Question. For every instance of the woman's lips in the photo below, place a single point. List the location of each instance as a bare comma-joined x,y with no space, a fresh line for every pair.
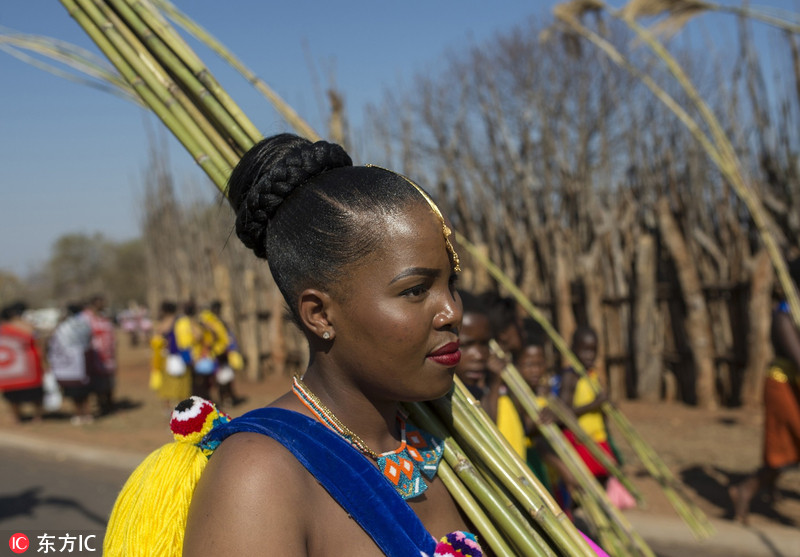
448,355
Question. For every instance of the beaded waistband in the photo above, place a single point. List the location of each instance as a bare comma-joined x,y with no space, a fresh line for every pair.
782,371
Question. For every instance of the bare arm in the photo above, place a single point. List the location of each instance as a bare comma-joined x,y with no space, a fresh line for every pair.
568,381
592,406
239,507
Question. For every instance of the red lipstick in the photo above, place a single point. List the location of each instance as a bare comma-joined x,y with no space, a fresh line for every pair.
448,355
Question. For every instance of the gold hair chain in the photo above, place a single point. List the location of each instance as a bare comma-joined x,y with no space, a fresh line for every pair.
445,229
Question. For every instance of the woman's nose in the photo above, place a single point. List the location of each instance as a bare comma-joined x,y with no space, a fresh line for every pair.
451,312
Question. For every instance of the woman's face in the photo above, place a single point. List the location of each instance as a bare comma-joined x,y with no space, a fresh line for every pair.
396,313
510,339
531,364
475,336
586,350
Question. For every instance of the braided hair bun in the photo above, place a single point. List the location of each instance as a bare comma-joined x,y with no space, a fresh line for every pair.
268,174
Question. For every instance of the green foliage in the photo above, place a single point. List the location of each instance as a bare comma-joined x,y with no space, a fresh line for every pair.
124,276
11,288
76,266
80,266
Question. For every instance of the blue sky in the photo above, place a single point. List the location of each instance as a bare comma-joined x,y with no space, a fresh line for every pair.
72,158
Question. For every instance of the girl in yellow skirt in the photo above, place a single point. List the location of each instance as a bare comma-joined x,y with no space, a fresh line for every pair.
170,376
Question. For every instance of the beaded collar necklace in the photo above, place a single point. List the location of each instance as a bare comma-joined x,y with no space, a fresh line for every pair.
419,452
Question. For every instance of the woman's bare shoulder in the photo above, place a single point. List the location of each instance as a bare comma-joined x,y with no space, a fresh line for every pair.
252,461
241,500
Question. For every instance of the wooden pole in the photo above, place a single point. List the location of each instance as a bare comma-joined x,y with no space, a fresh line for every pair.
698,326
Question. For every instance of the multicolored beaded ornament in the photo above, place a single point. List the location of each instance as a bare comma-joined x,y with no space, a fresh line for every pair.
417,456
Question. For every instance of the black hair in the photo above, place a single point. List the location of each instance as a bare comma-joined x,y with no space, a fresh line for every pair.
168,307
15,309
473,303
582,332
502,311
534,334
189,308
74,308
305,208
215,306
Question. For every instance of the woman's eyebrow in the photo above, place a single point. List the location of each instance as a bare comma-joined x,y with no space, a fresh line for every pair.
417,271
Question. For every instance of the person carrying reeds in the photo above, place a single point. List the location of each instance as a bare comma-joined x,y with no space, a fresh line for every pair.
585,396
532,365
480,370
781,444
363,259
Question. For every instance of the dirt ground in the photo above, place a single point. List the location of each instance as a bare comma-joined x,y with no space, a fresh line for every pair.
705,449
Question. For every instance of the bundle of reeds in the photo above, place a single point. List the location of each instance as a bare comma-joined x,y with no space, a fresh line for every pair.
690,512
609,524
507,504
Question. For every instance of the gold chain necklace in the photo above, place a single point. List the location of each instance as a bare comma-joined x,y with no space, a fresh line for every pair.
329,418
403,467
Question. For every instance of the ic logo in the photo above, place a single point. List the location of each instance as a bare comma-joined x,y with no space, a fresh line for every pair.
19,543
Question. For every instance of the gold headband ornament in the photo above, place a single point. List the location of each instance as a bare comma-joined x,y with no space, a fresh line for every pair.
445,230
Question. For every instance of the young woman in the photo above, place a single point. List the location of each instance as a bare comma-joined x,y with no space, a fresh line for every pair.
21,368
781,443
364,262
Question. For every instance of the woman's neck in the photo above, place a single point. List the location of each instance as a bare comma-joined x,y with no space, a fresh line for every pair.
375,422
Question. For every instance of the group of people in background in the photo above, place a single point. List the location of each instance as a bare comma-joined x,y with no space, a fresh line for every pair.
194,353
80,354
523,342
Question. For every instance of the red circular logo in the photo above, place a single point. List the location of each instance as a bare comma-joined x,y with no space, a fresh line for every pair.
7,356
19,543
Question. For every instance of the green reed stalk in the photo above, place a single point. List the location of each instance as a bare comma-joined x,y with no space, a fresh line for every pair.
150,14
504,514
147,69
479,434
284,109
81,60
721,151
190,93
648,457
694,517
186,136
544,545
523,392
566,417
603,531
590,485
732,168
473,510
131,55
637,8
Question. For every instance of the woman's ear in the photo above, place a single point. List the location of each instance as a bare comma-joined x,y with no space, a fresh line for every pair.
314,308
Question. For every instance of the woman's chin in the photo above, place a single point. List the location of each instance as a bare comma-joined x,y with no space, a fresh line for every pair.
434,391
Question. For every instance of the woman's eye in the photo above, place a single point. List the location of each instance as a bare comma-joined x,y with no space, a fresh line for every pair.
417,290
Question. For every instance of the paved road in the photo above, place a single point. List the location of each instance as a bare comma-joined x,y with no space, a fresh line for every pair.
57,496
54,488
